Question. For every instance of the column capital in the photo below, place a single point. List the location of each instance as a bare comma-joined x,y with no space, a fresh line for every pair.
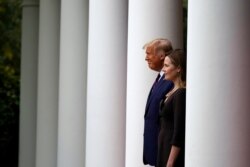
30,3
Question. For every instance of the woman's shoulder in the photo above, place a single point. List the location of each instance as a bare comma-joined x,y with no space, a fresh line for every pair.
180,96
180,92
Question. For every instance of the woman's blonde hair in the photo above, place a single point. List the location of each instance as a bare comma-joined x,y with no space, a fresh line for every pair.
178,59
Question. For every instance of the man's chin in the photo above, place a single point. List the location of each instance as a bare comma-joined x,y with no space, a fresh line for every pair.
151,67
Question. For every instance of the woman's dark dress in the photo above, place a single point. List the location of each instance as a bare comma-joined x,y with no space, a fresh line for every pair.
172,131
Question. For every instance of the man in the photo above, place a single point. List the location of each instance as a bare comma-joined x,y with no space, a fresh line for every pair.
156,51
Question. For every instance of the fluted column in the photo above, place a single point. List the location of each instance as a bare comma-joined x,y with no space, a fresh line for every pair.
72,83
106,97
218,91
48,78
28,88
148,19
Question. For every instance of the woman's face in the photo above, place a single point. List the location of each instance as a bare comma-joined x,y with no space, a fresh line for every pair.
171,71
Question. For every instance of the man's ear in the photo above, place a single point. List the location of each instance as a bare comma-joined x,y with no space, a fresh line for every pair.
162,56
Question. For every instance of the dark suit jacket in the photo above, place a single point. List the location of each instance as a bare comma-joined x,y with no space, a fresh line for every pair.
151,118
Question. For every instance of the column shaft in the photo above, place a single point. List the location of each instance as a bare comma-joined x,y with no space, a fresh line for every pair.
217,127
72,83
28,88
48,78
106,97
148,20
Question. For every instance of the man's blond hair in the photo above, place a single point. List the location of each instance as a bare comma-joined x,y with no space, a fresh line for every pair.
160,45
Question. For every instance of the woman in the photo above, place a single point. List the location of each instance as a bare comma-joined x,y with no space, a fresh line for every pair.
171,138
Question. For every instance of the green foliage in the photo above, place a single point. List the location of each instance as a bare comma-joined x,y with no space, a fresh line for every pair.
10,21
10,14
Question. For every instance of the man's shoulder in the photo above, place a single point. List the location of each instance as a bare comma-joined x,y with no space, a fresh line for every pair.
167,83
165,87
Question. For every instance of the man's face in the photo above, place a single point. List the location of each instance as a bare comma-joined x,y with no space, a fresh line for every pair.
155,62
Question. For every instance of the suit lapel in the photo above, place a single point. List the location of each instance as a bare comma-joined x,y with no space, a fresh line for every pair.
154,92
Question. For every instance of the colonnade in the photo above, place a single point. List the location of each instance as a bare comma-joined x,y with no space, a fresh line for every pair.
84,81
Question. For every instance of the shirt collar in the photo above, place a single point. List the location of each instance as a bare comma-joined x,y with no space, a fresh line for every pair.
161,74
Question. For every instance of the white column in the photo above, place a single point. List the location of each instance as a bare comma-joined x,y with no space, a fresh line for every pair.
218,91
48,76
28,88
72,83
148,20
106,97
